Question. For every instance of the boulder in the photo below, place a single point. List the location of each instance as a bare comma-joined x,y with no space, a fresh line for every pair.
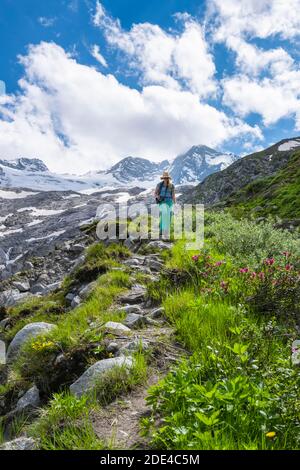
88,380
69,297
52,287
38,288
22,286
116,328
30,400
76,301
21,443
10,297
29,331
134,320
85,291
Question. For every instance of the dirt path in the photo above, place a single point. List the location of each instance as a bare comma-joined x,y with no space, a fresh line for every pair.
118,424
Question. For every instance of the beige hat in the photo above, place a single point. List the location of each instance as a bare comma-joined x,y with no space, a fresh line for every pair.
165,175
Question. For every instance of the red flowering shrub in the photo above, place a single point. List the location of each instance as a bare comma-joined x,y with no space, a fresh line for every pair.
276,288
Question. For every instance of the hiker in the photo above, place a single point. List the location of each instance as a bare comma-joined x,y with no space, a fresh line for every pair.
165,197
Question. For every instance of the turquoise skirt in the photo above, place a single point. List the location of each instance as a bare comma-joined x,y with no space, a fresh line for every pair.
165,216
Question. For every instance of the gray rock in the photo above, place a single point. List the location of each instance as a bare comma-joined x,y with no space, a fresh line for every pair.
116,328
59,359
77,248
29,331
137,294
38,288
132,346
131,309
134,320
133,262
4,322
85,291
52,287
78,262
10,297
21,443
296,353
153,264
31,399
3,257
28,266
157,313
112,347
130,243
43,278
69,297
87,382
22,286
160,245
76,301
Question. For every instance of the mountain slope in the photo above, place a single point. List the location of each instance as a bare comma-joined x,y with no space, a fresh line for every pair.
277,195
220,186
198,163
191,167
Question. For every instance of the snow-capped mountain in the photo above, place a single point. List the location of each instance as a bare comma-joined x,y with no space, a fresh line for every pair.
137,169
191,167
27,164
199,162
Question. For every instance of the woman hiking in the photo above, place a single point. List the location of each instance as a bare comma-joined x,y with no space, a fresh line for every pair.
166,198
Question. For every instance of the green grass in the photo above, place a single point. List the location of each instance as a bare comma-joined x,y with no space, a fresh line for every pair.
238,385
277,195
73,337
65,425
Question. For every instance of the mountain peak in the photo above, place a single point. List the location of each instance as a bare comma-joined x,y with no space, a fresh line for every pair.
23,163
198,163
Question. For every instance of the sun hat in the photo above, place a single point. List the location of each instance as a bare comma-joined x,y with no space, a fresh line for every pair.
165,175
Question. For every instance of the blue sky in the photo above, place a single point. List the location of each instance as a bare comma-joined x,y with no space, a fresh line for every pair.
90,82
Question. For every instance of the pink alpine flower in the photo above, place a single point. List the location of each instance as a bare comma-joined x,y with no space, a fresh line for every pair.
195,257
269,261
253,275
224,285
261,276
288,267
219,263
286,254
244,270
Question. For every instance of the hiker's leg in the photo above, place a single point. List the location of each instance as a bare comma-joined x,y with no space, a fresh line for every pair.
166,221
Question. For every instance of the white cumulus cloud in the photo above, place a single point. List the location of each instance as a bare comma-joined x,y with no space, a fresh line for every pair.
76,118
171,59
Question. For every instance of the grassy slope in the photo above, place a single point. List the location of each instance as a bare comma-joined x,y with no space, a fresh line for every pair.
64,422
278,195
239,385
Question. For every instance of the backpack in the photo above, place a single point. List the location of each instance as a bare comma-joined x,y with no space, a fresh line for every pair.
161,199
